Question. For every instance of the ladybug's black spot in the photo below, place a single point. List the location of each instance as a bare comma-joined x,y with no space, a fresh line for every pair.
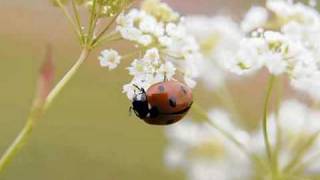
172,102
183,89
161,88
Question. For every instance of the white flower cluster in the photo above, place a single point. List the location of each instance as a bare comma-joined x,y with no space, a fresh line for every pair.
218,38
292,47
282,36
205,154
166,48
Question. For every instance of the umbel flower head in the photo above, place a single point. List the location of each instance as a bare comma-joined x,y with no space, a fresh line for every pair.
218,39
105,8
284,41
166,50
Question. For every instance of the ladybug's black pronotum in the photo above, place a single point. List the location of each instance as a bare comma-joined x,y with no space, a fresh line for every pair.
163,103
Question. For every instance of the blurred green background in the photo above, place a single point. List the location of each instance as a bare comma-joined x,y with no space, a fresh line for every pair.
88,133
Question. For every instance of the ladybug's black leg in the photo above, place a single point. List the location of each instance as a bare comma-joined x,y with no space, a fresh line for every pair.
165,77
136,113
130,110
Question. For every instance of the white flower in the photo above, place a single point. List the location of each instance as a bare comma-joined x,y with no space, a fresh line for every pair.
255,18
307,81
293,12
152,55
219,38
164,43
109,58
150,25
129,89
168,70
248,58
160,10
137,26
275,63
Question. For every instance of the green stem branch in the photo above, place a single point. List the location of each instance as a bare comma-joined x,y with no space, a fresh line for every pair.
69,17
37,112
196,108
272,162
78,21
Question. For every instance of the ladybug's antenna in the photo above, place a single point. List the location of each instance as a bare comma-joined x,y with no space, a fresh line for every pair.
165,77
140,89
137,87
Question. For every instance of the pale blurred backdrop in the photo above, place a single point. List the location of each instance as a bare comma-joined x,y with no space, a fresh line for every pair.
88,133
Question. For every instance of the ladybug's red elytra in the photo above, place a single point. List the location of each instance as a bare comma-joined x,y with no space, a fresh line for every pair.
163,103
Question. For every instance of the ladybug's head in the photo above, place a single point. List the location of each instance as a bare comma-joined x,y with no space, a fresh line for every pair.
140,104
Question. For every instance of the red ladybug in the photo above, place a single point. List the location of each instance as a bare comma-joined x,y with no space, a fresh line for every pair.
163,103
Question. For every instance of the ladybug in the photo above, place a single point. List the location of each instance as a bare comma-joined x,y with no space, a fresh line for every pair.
163,103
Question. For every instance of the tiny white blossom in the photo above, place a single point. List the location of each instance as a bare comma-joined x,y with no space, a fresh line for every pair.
275,63
248,58
168,70
219,39
256,17
109,58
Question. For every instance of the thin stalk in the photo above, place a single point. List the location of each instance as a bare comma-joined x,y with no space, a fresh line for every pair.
108,38
78,21
20,139
105,29
279,97
92,21
197,109
265,126
301,152
69,17
97,39
37,112
313,159
66,78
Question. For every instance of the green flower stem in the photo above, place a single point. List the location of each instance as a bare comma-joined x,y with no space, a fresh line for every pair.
37,112
308,162
301,152
105,29
78,21
272,162
70,19
66,78
20,139
279,97
92,21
